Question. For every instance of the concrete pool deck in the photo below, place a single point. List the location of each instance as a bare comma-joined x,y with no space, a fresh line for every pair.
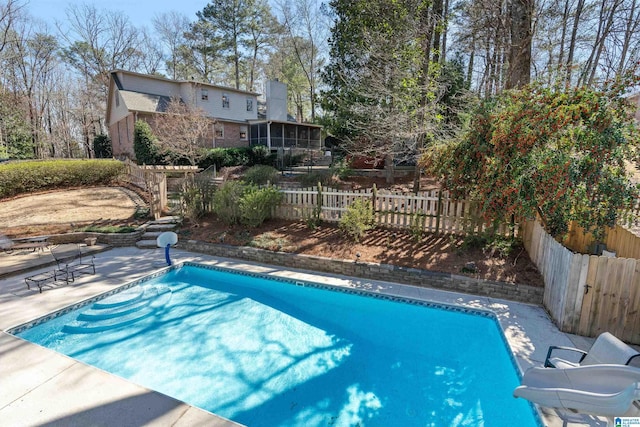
41,387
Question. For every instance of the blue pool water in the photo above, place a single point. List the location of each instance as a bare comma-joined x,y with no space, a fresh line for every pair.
268,353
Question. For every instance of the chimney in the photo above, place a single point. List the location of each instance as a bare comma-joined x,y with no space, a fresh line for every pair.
276,101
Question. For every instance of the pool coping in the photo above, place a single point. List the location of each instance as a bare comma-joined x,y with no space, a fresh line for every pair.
525,344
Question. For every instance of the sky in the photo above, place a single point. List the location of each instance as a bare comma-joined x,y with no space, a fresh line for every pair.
140,12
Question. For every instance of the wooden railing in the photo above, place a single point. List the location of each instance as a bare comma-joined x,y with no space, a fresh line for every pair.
154,183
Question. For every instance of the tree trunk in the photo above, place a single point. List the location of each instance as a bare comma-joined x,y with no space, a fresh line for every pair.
445,18
572,42
630,30
519,71
437,29
606,25
426,24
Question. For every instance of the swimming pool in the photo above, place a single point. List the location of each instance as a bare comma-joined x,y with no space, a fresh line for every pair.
263,352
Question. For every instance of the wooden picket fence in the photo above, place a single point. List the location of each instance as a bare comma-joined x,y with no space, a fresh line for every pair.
433,211
586,294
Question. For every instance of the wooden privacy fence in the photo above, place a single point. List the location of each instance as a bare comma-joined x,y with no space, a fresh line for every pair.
434,211
623,242
154,183
586,294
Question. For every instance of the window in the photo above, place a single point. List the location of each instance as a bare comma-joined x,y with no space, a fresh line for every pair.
219,130
249,104
225,101
204,94
117,99
243,133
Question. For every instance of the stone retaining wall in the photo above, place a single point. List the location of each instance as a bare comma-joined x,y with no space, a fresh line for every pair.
373,271
113,239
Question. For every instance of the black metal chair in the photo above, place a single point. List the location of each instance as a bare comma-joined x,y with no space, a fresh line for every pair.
71,262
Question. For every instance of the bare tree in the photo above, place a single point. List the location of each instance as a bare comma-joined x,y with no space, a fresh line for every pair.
151,55
9,11
29,58
100,41
390,116
171,28
262,28
182,131
96,43
307,28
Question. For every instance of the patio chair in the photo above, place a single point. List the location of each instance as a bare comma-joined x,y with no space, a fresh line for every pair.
607,349
603,390
34,243
71,262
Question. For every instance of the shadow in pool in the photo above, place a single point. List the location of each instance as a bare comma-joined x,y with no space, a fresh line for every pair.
352,394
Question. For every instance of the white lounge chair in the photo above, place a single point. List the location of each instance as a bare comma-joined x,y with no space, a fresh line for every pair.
602,390
607,349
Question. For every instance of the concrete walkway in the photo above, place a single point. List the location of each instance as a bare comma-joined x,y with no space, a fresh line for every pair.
41,387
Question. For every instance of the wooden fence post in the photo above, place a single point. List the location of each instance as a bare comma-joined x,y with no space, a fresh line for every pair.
374,199
318,213
438,207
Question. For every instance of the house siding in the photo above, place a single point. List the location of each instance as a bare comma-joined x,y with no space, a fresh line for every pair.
135,96
144,84
237,104
122,137
231,136
119,110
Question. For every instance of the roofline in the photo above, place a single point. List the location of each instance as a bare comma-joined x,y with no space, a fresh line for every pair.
149,76
259,121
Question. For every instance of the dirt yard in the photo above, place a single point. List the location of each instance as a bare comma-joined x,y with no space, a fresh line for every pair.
65,211
58,212
438,253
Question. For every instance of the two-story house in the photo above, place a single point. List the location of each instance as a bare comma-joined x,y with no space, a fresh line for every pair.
235,121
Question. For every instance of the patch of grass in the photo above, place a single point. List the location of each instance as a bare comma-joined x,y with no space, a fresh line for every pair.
109,229
271,242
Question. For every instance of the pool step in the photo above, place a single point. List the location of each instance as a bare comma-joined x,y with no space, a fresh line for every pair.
121,310
101,314
121,298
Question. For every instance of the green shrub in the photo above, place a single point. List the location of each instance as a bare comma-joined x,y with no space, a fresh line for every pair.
102,147
261,175
341,169
226,157
191,203
144,146
257,204
494,244
197,197
261,155
237,156
30,176
109,229
358,218
312,179
226,202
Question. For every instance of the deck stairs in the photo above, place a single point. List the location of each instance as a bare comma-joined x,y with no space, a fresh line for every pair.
122,309
154,229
